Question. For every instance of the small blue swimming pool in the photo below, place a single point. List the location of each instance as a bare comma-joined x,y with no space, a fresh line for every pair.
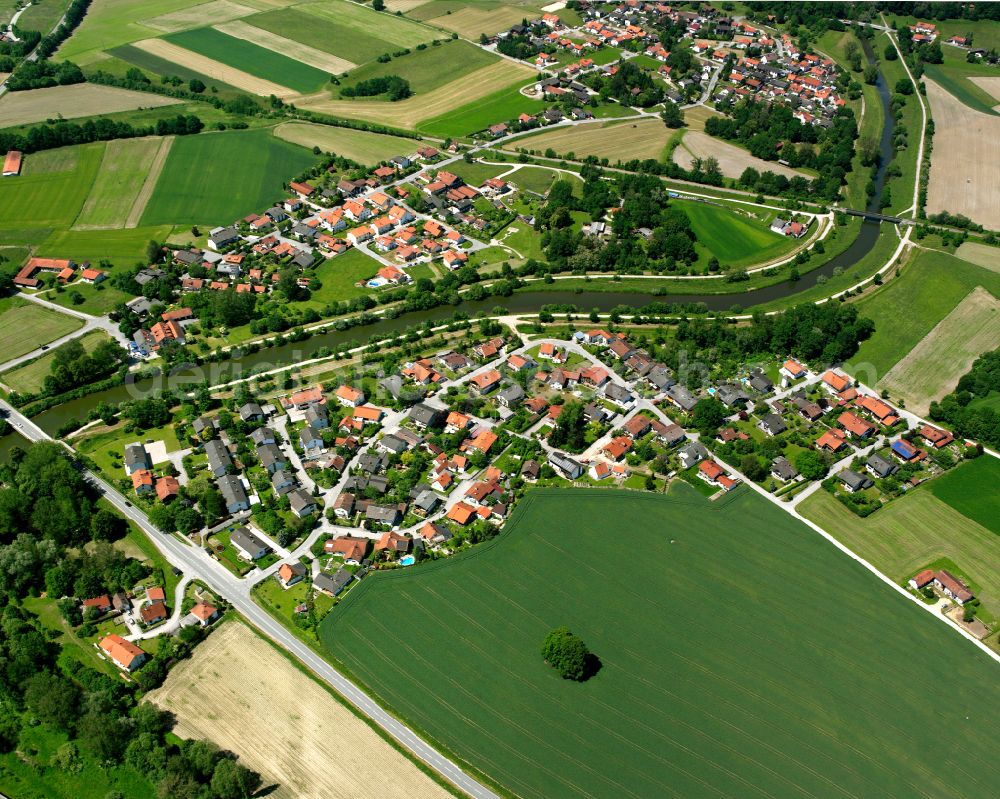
407,560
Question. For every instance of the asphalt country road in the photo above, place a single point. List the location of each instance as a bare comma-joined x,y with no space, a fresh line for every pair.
196,563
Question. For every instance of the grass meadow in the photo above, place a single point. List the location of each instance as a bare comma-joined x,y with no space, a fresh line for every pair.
358,145
428,69
908,307
111,23
972,491
500,106
31,376
52,189
25,326
734,239
339,277
741,655
919,529
251,58
356,19
123,173
214,178
356,45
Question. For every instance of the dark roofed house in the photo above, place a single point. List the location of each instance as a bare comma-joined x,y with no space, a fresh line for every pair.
731,396
136,458
251,412
853,481
263,435
302,504
511,396
271,458
233,493
782,469
566,466
384,514
423,416
772,424
877,466
334,584
219,459
760,382
282,482
248,545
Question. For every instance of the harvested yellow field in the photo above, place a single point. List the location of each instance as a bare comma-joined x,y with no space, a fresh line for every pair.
469,22
933,368
617,141
239,692
208,66
152,176
408,113
358,145
990,85
287,47
980,254
732,159
181,20
77,100
965,165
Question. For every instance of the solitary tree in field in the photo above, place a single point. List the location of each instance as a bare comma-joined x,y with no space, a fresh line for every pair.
566,653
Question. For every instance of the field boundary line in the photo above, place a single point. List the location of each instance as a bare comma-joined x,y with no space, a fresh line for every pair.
149,184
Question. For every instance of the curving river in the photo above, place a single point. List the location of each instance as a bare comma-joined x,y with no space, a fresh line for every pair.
521,302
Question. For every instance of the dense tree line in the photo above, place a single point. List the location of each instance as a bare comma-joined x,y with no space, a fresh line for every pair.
942,11
42,74
73,17
960,409
61,134
395,87
27,41
73,366
47,514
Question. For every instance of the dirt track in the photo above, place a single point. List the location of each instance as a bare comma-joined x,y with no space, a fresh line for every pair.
239,692
965,164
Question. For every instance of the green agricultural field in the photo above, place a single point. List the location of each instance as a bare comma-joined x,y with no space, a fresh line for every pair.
328,35
476,173
428,69
31,377
734,239
356,19
214,178
465,120
906,308
358,145
912,532
122,247
971,489
251,58
123,172
25,326
52,190
709,684
954,74
134,57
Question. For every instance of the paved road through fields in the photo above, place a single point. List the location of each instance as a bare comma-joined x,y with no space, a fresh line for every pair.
196,563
